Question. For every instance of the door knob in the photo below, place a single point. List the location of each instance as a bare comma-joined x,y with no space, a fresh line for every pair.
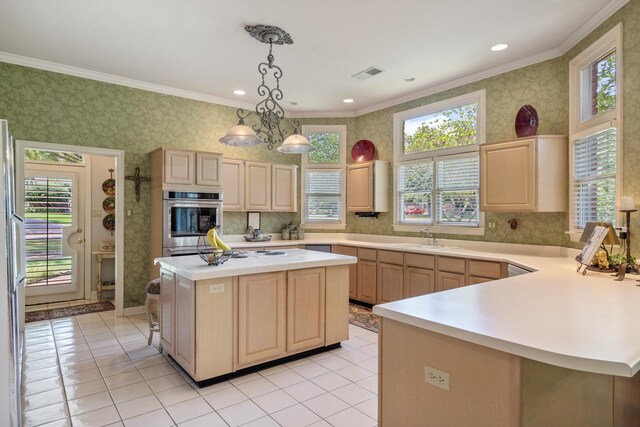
80,241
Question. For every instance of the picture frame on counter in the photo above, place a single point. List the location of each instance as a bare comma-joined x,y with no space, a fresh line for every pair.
591,247
253,220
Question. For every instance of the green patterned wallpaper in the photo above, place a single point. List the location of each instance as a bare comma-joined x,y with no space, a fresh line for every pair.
56,108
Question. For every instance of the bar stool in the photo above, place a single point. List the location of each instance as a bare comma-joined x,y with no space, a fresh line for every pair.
153,294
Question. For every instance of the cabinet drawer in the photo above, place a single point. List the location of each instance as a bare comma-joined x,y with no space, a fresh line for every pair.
420,260
344,250
452,265
488,269
474,280
391,257
367,254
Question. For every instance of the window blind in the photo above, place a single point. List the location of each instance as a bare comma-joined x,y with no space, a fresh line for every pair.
457,186
593,195
415,187
323,202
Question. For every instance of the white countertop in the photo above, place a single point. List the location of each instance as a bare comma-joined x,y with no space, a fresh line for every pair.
553,315
194,268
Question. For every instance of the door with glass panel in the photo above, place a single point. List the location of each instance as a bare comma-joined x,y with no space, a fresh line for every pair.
54,232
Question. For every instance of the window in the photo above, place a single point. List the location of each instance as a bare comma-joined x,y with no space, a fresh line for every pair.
436,165
323,178
595,85
52,156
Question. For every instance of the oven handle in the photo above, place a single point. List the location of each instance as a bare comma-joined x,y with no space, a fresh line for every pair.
171,204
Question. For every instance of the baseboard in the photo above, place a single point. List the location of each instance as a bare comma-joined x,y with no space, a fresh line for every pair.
132,311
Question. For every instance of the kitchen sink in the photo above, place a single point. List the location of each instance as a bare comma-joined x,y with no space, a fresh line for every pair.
425,247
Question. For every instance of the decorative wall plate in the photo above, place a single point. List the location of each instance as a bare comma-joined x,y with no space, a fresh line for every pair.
109,185
109,222
526,121
363,151
109,204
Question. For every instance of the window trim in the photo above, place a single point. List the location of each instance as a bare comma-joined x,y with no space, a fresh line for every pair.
338,167
399,158
612,40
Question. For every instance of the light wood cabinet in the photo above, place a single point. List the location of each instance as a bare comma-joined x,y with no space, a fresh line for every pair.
284,191
167,294
368,186
305,309
366,282
233,184
446,280
257,192
418,281
390,282
353,268
261,317
525,175
185,170
185,315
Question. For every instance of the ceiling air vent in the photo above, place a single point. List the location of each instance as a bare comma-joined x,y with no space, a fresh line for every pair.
368,73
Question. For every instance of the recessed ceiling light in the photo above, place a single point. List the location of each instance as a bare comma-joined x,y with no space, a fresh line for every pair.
239,92
292,103
409,79
347,101
499,46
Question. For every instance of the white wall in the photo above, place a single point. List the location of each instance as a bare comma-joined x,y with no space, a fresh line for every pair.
100,166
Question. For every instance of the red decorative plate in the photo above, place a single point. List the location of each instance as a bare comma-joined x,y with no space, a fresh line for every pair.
526,121
363,151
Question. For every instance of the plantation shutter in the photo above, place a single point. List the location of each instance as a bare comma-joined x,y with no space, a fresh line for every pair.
457,195
594,184
323,202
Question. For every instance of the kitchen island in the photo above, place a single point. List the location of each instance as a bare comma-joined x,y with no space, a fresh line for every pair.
222,321
548,348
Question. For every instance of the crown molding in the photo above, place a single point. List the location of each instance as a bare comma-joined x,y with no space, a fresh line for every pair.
117,80
592,23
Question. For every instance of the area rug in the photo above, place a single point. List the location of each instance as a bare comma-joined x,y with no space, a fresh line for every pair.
363,317
55,313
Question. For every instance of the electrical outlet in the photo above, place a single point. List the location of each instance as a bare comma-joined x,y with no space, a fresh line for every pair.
216,289
436,377
492,225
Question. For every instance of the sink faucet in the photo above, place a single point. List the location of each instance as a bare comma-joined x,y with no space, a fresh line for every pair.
428,235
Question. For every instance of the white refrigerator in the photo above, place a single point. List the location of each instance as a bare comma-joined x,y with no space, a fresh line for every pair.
12,276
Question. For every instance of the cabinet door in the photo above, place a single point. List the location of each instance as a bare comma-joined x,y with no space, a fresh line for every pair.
261,317
474,280
508,176
179,167
233,184
366,283
305,309
284,192
446,280
390,282
257,193
360,187
353,268
185,324
167,295
208,169
418,281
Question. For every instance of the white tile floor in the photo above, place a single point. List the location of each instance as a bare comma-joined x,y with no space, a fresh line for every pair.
97,370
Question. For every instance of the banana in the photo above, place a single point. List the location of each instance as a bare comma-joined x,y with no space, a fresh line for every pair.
222,245
211,238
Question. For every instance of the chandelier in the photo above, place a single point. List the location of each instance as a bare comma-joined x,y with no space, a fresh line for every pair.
270,114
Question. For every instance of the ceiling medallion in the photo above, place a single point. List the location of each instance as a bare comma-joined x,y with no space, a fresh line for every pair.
270,114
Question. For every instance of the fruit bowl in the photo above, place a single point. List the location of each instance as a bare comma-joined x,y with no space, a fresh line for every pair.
210,255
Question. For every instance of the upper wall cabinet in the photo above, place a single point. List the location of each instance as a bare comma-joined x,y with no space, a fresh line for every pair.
525,175
186,170
256,186
368,186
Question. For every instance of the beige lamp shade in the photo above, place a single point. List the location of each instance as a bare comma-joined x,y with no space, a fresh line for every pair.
296,144
240,136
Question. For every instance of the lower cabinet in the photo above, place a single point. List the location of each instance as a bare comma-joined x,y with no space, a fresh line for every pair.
185,297
446,280
390,282
353,268
366,282
305,309
418,281
261,317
